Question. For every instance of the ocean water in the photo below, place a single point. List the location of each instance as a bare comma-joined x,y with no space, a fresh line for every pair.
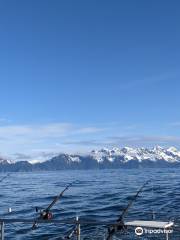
97,195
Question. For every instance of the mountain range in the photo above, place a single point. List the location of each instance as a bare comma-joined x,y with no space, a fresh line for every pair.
100,159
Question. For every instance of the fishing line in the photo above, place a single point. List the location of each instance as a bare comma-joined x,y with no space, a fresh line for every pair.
120,225
152,207
46,214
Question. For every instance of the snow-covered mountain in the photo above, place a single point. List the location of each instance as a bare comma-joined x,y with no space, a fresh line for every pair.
4,161
157,153
101,159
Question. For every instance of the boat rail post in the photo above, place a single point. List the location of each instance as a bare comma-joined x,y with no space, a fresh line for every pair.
1,230
167,236
78,229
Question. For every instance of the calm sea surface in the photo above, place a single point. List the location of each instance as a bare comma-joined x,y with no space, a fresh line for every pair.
97,195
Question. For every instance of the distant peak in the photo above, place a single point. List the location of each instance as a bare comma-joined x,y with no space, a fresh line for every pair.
5,161
172,149
158,148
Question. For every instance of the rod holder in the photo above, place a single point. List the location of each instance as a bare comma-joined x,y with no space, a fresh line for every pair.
2,231
78,229
167,236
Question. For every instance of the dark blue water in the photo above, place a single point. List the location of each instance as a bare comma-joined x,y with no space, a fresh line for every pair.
97,195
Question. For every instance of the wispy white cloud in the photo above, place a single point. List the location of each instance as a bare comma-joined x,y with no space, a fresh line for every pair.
151,80
21,156
121,141
34,156
35,131
175,124
145,140
17,137
52,130
39,141
90,130
4,120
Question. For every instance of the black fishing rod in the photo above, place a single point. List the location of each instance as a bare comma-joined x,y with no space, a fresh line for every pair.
46,214
120,226
2,179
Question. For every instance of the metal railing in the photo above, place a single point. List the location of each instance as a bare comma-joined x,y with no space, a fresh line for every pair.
76,222
4,221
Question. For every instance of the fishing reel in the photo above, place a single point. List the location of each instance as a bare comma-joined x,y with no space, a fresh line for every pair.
119,227
44,214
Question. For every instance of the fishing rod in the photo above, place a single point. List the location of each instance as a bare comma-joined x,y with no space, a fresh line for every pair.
75,231
46,214
120,226
2,179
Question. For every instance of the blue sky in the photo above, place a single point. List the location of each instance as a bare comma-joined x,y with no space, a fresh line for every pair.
76,75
